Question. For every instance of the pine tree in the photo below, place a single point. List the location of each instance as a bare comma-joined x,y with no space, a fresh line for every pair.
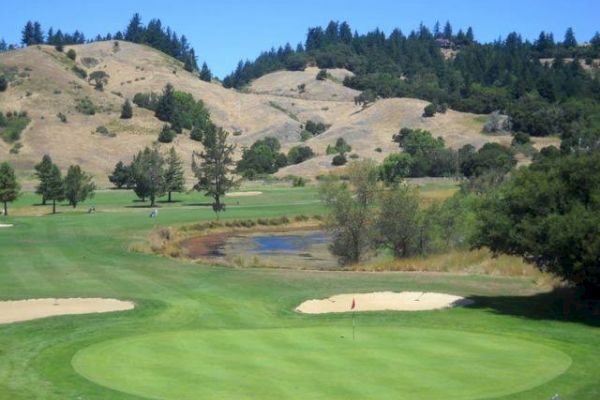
188,65
166,134
448,31
38,34
166,104
9,187
78,185
28,34
570,40
205,73
121,176
135,31
215,167
42,172
55,189
174,178
126,110
148,174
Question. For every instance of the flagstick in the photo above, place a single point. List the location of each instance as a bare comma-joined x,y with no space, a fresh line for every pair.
353,326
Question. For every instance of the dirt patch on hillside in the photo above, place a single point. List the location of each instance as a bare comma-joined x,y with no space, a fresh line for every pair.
382,301
26,310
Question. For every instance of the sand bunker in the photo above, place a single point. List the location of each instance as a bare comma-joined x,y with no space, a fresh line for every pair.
25,310
6,225
242,194
380,301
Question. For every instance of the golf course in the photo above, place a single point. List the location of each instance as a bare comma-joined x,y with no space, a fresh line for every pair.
202,331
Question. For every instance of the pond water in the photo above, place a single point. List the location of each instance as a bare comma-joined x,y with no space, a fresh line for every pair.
295,249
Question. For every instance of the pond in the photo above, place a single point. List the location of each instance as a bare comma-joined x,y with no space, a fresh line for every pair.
300,249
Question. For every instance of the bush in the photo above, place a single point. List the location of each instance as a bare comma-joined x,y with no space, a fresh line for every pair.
197,134
497,123
429,110
59,47
521,138
126,110
263,157
339,159
62,117
305,135
80,72
103,130
301,88
340,147
12,125
298,181
315,128
146,100
166,135
71,54
85,106
322,75
298,154
3,83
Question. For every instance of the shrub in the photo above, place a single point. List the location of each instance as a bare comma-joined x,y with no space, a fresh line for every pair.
146,100
15,148
305,135
126,110
301,88
340,147
85,106
71,54
298,181
103,130
166,135
322,75
62,117
197,135
378,149
59,47
298,154
521,138
429,110
3,83
353,156
497,123
12,125
339,159
80,72
316,128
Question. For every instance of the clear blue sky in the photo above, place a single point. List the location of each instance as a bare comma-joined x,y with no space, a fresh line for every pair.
225,31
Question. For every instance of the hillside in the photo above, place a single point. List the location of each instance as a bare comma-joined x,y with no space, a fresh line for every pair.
44,85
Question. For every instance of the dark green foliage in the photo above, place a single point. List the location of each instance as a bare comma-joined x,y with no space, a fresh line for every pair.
9,187
429,110
121,176
166,134
148,101
549,213
182,111
62,117
263,157
322,75
3,83
42,172
32,34
395,167
340,147
205,73
339,159
298,154
215,167
100,78
492,157
415,141
126,110
521,138
174,177
148,174
85,106
196,134
80,72
316,128
428,156
54,186
78,185
12,125
72,54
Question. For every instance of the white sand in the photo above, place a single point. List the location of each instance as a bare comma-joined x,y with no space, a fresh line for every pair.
242,194
379,301
6,225
25,310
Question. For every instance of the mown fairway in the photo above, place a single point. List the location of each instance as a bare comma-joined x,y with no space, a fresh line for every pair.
212,332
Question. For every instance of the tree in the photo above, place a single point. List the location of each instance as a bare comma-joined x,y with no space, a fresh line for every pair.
72,54
166,134
174,178
570,40
188,65
205,73
121,175
263,157
42,172
9,187
78,185
55,188
126,110
3,83
215,166
100,79
549,214
395,166
322,75
148,174
134,31
339,160
398,219
351,220
298,154
165,108
429,110
448,31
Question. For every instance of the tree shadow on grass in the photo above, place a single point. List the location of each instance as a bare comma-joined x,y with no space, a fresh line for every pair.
561,304
199,204
169,202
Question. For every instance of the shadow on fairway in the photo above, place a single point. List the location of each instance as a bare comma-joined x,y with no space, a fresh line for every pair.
563,304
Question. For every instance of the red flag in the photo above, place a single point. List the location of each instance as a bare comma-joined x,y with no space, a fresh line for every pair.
353,304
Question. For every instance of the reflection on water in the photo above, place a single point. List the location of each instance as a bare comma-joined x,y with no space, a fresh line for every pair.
287,242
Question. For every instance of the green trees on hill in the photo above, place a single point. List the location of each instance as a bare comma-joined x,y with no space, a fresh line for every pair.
263,157
9,187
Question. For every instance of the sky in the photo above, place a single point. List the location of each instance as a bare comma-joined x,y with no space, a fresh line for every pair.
224,31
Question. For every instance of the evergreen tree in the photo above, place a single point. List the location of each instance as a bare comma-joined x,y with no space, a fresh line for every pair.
437,33
205,73
38,34
448,31
174,177
121,176
570,40
214,168
134,31
28,34
78,185
126,110
166,134
55,188
9,187
3,46
470,36
165,108
42,173
188,65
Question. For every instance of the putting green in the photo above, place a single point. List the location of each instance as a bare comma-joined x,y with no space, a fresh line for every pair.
381,363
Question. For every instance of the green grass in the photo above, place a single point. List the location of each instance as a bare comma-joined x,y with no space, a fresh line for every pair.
235,331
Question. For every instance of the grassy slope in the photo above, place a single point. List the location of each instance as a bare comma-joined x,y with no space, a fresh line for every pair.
74,254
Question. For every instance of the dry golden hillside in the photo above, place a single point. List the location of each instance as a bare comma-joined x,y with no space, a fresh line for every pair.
45,85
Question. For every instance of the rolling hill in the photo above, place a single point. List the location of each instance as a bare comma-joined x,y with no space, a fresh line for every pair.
44,84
